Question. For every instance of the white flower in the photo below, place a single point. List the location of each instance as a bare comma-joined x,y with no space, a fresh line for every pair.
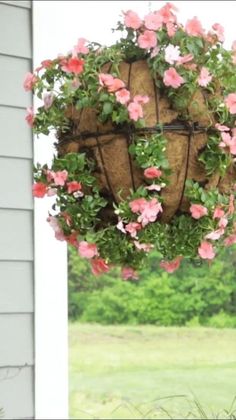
172,54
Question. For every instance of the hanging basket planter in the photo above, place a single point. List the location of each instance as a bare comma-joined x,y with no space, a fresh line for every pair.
146,143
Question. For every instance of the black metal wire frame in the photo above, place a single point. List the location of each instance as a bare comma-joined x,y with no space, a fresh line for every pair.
185,129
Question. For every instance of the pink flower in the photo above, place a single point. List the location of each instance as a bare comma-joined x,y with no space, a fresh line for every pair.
87,250
73,65
51,192
152,172
193,27
129,273
230,102
147,40
171,29
222,127
48,98
171,266
46,63
105,79
141,99
30,117
132,20
205,77
133,228
135,111
80,47
138,205
185,59
154,52
143,247
206,251
122,96
215,235
219,30
229,142
30,80
172,78
53,222
154,187
230,240
166,13
172,54
72,239
223,222
150,212
218,213
50,175
39,189
99,266
60,177
120,226
73,186
153,21
198,211
115,85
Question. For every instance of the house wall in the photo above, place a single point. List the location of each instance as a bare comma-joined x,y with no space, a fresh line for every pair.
16,215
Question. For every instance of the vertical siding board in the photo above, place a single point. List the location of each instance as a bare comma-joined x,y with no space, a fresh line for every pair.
13,71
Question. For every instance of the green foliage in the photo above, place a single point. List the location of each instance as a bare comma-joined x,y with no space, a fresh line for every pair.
194,295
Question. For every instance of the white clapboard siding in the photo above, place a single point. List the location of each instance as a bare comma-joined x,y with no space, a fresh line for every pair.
20,43
21,3
16,215
16,287
16,235
16,192
15,138
17,392
13,71
16,333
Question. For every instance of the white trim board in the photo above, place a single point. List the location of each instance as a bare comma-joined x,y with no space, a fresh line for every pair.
51,307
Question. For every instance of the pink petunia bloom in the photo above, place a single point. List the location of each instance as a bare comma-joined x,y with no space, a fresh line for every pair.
215,235
99,266
138,205
48,98
133,228
166,13
153,21
60,177
172,78
115,85
222,127
228,141
87,250
147,40
230,102
53,222
72,239
105,79
73,65
171,266
39,189
219,31
143,247
132,20
30,117
80,47
218,213
205,77
135,111
141,99
129,273
122,96
73,186
50,175
150,212
206,251
194,27
46,63
152,172
197,211
230,240
29,82
171,29
223,222
154,187
185,59
155,52
172,54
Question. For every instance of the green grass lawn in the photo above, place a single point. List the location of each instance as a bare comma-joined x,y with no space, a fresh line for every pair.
128,372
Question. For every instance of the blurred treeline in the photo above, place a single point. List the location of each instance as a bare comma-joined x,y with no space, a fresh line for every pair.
197,294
